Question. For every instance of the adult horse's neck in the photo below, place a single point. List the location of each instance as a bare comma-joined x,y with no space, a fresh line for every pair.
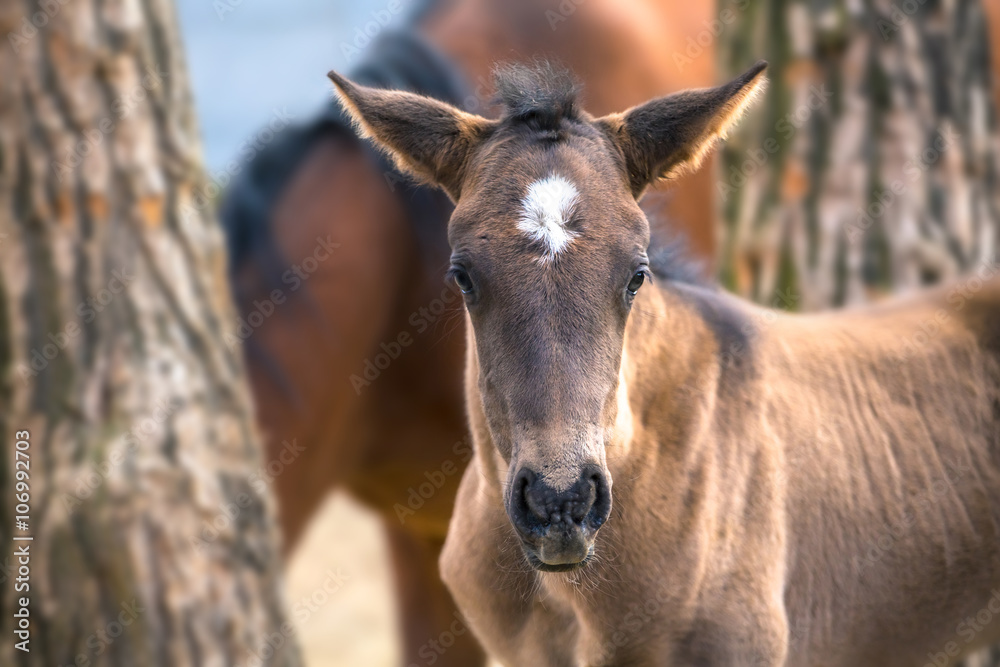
626,52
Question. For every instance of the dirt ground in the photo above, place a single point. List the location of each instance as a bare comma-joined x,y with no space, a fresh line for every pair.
355,625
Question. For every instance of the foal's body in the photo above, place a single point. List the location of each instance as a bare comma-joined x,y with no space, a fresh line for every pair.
828,483
382,441
787,491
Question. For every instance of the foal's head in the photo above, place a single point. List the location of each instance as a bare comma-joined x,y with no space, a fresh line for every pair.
549,249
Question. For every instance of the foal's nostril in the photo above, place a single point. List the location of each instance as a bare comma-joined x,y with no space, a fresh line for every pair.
520,505
601,506
590,488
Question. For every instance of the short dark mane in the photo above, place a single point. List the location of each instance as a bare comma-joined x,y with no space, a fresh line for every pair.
671,259
541,94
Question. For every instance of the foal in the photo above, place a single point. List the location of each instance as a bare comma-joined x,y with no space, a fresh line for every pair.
788,490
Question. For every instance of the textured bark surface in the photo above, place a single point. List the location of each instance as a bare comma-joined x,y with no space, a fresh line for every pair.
882,169
873,166
152,544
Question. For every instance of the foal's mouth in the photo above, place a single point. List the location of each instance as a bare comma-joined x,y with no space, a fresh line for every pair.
558,527
537,563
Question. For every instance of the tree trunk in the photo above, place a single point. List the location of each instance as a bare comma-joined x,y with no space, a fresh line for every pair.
151,545
873,166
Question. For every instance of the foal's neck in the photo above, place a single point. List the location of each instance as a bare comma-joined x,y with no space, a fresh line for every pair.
670,366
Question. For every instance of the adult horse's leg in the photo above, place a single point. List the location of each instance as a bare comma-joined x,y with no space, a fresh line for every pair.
992,8
433,631
419,447
340,240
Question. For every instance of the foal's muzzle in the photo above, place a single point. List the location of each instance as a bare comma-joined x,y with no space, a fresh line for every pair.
557,528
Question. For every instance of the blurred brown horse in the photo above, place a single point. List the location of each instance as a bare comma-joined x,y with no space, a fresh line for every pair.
355,345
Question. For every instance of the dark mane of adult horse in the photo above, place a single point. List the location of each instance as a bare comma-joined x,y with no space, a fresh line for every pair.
398,60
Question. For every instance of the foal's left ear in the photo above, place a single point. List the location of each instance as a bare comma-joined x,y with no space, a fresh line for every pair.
425,137
671,135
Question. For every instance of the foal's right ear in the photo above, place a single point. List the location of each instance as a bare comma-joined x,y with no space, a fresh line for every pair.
425,137
671,135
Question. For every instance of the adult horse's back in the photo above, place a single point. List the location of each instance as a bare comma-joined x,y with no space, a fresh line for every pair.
354,342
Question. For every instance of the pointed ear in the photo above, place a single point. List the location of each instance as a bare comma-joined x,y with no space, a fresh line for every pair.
671,135
425,137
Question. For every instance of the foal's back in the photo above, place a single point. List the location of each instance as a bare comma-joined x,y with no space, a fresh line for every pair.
890,424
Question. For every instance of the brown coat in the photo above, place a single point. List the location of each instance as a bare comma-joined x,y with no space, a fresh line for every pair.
787,490
829,481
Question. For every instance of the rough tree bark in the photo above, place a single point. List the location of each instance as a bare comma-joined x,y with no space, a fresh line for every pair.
151,545
879,163
874,165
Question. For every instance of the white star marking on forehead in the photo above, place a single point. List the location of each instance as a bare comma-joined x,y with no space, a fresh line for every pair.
546,210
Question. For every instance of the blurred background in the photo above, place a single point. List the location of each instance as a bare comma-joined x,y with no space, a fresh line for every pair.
286,330
246,60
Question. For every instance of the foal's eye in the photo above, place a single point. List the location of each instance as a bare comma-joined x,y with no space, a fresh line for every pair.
637,279
462,279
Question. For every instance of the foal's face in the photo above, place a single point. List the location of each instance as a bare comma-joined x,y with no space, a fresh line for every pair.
549,248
